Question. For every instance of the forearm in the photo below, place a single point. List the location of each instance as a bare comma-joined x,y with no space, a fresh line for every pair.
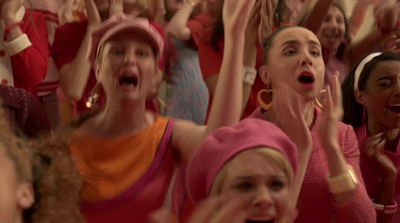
337,166
303,158
386,196
357,17
360,49
249,60
229,80
177,25
15,31
314,20
74,75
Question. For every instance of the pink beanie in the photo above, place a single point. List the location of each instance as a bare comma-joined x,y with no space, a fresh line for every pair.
225,143
119,23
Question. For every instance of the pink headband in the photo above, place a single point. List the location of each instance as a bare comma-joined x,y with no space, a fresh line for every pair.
227,142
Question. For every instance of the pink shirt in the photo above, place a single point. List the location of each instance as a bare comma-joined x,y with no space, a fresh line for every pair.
315,203
370,172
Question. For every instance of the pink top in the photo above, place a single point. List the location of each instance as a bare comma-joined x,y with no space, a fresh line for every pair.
334,64
315,202
371,175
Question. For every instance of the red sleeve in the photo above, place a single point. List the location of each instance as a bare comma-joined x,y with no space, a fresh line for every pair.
210,59
199,26
31,63
67,40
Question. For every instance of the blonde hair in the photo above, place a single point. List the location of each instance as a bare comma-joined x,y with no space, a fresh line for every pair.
272,156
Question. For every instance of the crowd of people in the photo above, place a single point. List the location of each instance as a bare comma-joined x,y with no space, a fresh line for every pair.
199,111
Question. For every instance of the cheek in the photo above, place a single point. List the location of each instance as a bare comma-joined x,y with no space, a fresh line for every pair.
8,193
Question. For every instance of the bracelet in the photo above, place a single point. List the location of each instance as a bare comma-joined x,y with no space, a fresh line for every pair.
249,75
9,27
344,182
386,209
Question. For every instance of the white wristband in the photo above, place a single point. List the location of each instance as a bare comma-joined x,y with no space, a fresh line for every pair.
249,75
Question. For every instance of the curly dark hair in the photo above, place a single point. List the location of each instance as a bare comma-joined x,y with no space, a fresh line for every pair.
47,164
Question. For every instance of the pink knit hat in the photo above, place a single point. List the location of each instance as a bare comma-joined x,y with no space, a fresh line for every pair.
225,143
119,23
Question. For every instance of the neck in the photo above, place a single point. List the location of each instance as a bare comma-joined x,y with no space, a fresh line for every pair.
307,113
18,218
120,119
328,54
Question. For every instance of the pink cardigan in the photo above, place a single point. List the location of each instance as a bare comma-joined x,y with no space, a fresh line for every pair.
316,204
371,174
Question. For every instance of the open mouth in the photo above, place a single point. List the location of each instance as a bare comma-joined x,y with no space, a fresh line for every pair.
129,81
260,221
306,78
394,108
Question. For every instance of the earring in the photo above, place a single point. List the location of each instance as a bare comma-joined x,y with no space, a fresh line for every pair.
264,105
93,96
316,99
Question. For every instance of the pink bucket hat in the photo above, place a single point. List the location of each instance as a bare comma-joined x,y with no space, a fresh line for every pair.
119,23
227,142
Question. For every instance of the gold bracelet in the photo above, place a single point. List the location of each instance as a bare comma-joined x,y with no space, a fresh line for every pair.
344,182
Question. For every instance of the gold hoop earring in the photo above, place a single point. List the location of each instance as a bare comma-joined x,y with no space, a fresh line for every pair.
319,104
264,105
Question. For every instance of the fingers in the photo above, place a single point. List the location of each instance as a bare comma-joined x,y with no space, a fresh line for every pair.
233,211
205,210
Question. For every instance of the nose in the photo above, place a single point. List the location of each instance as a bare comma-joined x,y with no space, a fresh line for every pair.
262,199
130,57
306,60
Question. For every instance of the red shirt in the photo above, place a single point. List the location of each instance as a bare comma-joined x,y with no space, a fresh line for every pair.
30,65
210,64
199,26
66,44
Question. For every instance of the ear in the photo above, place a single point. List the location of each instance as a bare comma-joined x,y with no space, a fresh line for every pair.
97,70
263,71
361,98
25,195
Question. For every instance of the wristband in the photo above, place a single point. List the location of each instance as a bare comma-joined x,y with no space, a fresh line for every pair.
386,209
249,75
9,27
344,182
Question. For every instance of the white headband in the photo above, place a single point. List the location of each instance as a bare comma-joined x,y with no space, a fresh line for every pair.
360,68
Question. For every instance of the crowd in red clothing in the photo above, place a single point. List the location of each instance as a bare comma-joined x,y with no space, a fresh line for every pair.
301,116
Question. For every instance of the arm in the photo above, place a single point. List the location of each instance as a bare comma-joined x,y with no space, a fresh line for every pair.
226,108
357,17
177,26
29,51
357,207
314,20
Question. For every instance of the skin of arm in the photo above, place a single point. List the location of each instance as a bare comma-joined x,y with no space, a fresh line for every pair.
177,26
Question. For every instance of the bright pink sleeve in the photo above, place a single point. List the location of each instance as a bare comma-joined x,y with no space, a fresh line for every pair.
210,60
359,208
31,63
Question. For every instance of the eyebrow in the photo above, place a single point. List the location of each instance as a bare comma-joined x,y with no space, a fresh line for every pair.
251,177
312,42
385,78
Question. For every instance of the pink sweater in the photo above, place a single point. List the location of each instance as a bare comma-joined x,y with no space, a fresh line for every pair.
371,174
316,204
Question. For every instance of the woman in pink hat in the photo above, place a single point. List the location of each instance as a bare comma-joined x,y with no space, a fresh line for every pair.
332,189
127,155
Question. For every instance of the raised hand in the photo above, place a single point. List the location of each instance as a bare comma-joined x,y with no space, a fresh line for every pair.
332,112
92,13
116,7
236,15
289,115
267,20
374,149
391,43
163,216
388,16
254,23
10,9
